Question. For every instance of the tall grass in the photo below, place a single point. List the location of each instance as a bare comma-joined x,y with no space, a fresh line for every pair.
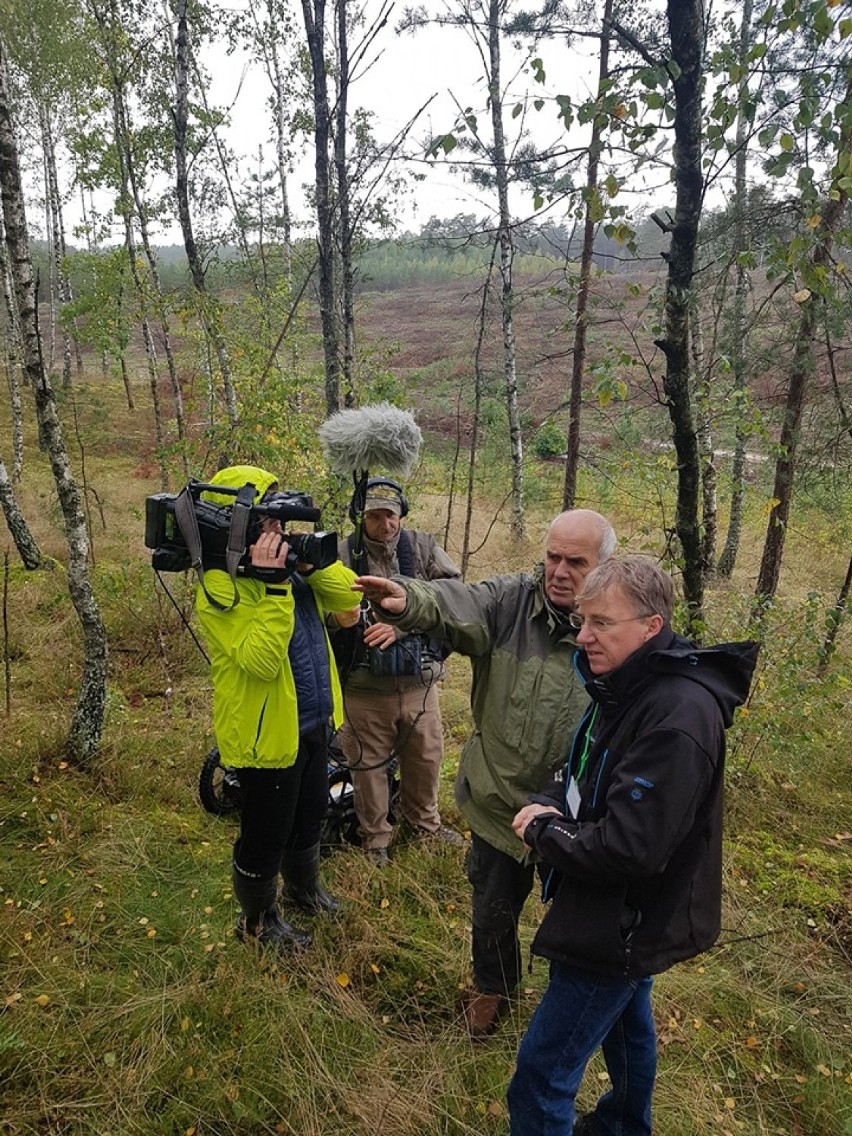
130,1008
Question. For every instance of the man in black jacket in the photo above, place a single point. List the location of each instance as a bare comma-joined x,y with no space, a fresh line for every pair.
630,836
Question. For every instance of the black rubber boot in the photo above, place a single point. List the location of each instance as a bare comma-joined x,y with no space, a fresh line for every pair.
261,921
300,870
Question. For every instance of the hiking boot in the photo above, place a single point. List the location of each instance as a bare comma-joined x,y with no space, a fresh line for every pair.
271,930
482,1013
443,834
261,921
446,835
300,872
378,857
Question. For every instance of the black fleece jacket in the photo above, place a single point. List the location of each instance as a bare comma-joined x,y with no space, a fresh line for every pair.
636,876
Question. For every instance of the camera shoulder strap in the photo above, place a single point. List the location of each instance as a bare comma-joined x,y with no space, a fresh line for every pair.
188,524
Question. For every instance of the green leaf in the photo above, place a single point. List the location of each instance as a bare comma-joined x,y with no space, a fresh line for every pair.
517,109
448,143
654,100
786,142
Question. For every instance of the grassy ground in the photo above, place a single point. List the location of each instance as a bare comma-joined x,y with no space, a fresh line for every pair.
129,1008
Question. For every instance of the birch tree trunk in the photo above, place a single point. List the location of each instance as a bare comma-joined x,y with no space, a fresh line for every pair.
314,16
87,722
347,274
180,115
63,284
280,97
803,367
131,189
578,362
686,29
507,252
14,361
154,272
738,347
25,542
704,435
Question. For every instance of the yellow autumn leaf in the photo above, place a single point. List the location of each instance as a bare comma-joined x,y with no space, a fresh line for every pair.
42,1000
385,903
343,980
751,1042
151,932
375,969
730,1103
802,295
496,1109
823,1070
800,1079
814,221
11,999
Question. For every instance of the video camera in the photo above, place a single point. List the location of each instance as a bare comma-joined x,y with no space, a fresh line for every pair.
225,532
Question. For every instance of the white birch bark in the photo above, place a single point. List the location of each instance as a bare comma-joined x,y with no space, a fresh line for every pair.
87,722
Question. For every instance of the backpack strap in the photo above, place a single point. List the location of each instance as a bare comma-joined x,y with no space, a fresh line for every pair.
405,554
237,538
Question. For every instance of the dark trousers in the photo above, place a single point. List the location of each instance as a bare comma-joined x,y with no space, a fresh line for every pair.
500,889
283,809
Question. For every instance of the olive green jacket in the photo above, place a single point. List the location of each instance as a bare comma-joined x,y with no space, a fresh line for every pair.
526,698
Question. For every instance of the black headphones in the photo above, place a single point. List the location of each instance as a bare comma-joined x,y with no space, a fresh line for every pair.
375,483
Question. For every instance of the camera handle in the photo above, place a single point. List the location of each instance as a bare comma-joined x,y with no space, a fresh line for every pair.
237,536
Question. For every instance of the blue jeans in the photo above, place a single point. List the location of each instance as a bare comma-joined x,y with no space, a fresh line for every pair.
578,1013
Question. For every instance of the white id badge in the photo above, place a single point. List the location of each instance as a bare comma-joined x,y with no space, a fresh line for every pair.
573,799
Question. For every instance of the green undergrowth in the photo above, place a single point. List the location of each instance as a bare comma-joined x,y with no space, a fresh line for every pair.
129,1008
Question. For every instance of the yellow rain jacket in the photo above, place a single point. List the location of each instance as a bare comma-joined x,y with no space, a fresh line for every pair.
255,715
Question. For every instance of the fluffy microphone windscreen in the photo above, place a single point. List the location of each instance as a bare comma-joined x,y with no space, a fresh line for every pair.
371,437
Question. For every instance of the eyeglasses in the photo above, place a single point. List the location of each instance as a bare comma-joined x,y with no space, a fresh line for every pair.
600,626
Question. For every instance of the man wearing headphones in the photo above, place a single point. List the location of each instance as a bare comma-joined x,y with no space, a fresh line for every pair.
390,680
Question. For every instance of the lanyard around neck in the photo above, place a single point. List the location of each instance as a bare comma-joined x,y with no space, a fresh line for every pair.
587,745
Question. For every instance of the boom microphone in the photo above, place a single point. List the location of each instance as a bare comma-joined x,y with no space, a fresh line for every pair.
371,437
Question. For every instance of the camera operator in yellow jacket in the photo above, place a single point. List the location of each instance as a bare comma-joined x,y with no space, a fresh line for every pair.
275,694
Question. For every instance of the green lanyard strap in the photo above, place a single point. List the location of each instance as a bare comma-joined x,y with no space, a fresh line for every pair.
587,745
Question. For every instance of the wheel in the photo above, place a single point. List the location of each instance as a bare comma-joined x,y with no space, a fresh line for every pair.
340,825
219,786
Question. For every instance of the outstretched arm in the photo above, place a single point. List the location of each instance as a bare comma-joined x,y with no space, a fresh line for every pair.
386,595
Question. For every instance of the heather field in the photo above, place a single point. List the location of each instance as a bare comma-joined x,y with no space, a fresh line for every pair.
128,1007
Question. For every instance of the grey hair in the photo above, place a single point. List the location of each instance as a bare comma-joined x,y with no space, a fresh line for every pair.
648,587
608,539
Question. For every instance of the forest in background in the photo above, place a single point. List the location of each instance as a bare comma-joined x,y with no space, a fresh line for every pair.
648,314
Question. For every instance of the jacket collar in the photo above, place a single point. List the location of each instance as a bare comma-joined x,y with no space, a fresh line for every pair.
613,688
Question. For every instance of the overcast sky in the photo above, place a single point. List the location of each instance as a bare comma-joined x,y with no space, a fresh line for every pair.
436,63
